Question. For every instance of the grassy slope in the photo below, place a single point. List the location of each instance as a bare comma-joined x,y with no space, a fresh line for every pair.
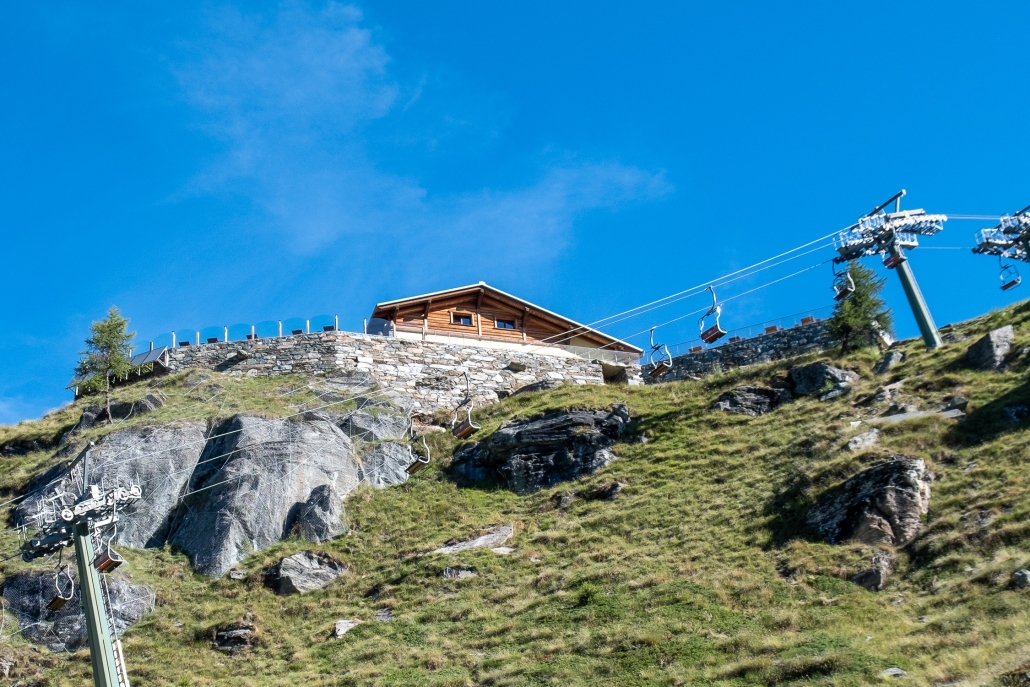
700,573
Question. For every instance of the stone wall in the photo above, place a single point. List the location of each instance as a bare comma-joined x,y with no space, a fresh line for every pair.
765,348
430,374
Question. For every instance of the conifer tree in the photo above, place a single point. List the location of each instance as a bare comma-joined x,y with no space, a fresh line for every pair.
856,318
106,356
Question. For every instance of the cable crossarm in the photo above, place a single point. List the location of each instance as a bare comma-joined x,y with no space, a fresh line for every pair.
886,233
1009,239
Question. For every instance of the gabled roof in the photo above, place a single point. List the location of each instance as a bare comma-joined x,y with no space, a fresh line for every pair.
385,310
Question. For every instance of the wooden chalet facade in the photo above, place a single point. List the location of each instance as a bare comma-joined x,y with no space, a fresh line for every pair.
484,316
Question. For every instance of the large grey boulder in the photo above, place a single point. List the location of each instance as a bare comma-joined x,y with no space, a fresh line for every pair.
875,577
491,540
865,440
889,361
321,517
882,505
304,572
160,459
534,454
751,400
820,379
254,478
385,464
989,352
27,594
381,426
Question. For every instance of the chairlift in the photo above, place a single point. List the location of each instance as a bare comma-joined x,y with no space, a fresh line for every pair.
1009,276
892,260
61,597
664,363
108,559
463,428
715,332
843,284
417,460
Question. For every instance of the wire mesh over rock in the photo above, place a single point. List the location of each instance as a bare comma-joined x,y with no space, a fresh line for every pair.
304,572
27,594
534,454
251,484
160,459
881,505
751,400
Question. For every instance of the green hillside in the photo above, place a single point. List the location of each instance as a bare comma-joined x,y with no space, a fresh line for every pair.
700,572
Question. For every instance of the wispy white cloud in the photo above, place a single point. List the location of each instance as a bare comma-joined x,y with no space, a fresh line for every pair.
292,97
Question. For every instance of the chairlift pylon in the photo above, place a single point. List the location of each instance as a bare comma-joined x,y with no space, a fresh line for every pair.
843,284
463,428
715,332
1009,276
663,364
61,598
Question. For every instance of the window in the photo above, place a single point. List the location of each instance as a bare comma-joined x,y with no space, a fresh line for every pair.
505,324
458,318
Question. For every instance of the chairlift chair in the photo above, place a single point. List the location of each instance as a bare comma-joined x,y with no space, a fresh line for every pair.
715,332
843,285
892,260
419,461
664,362
463,428
108,559
61,598
1009,276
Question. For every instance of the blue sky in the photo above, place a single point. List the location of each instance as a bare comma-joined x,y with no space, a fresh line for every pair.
214,164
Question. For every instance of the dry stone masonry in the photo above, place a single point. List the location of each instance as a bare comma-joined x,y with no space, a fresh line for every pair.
431,374
780,345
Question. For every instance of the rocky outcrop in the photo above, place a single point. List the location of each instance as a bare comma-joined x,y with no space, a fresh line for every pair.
385,464
751,400
1021,579
874,578
122,410
379,427
491,540
233,638
820,379
249,462
321,516
303,572
865,440
26,595
534,454
888,362
882,505
160,459
989,352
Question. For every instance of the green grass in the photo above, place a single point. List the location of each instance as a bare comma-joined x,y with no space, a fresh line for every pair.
701,572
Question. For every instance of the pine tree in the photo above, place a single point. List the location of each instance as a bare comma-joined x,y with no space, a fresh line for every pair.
856,317
106,356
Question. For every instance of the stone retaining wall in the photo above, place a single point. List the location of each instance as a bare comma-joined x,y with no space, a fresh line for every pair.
786,343
429,373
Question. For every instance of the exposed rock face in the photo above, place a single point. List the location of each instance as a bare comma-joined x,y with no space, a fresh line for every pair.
534,454
27,594
385,464
875,578
821,379
160,458
234,637
989,352
889,361
881,505
490,540
864,440
321,516
303,572
342,627
752,400
381,427
542,385
122,410
254,479
1021,579
459,573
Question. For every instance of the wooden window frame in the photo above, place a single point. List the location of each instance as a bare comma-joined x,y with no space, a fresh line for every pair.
471,317
513,328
